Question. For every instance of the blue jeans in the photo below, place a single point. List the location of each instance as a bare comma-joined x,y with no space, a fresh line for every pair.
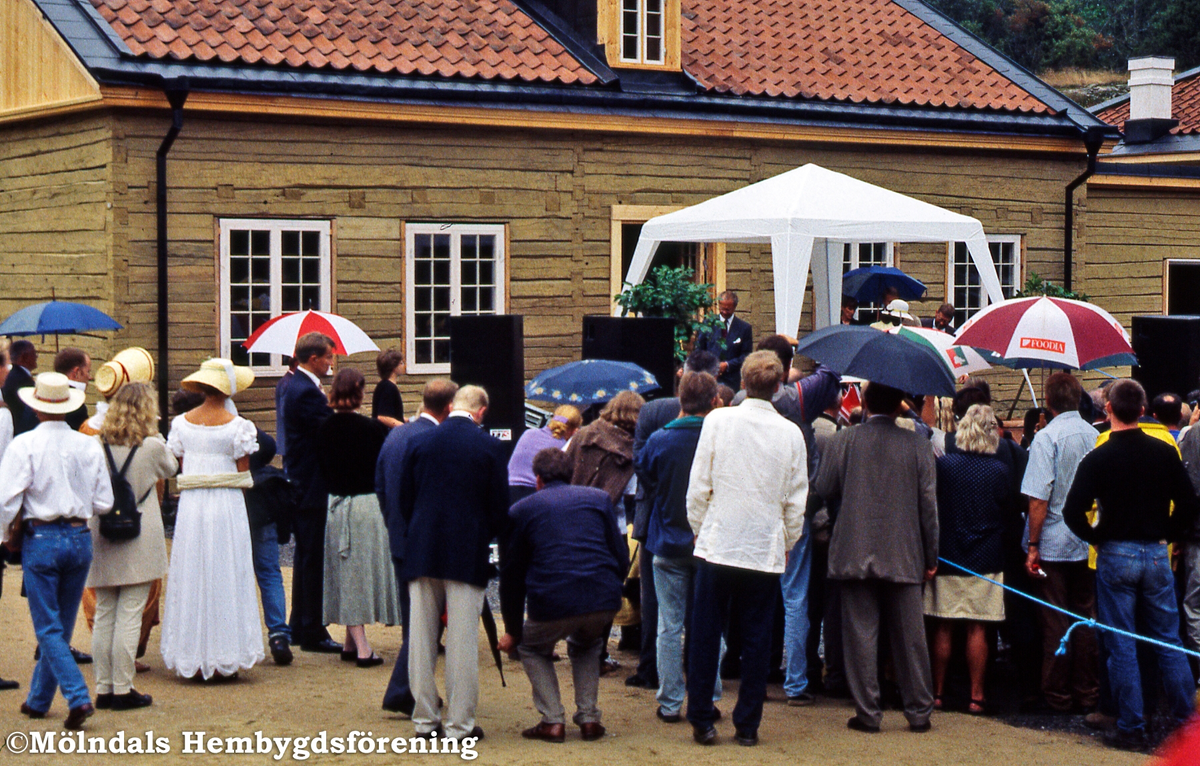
794,583
264,543
743,597
1135,578
673,586
55,560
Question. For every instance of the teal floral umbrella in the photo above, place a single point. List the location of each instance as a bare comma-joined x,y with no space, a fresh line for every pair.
589,382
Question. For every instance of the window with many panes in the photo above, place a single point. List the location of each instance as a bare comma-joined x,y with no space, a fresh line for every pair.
269,268
965,290
856,255
452,270
642,31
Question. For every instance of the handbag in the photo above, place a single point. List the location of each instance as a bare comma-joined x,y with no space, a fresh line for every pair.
124,521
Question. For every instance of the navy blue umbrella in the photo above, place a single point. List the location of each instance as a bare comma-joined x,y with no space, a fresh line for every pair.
589,382
57,317
867,284
879,357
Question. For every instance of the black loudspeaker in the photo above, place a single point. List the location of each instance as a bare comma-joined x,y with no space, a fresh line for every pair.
489,351
1168,352
645,341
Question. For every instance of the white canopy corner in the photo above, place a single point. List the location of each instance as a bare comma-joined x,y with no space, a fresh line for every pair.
806,215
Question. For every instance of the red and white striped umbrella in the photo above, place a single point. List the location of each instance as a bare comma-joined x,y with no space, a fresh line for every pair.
279,335
1049,332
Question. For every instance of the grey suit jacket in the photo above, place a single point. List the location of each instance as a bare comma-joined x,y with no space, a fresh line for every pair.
886,480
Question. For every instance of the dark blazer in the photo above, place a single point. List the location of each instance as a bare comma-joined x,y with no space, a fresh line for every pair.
654,414
454,497
24,418
565,556
305,408
389,469
738,345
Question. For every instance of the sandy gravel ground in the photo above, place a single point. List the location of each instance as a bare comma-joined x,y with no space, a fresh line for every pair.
319,693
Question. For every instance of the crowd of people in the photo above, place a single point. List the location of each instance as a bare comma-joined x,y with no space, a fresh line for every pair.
769,535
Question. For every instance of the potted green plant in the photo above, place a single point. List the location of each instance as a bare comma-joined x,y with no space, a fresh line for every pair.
672,293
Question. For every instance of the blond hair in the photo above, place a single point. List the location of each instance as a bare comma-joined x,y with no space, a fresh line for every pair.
978,431
470,398
762,372
572,419
622,410
943,408
132,416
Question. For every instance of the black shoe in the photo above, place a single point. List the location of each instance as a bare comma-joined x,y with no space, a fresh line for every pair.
404,705
369,662
920,728
637,682
29,712
134,699
1125,740
81,658
104,701
328,646
349,656
668,717
746,738
7,685
803,699
705,735
281,650
858,725
77,715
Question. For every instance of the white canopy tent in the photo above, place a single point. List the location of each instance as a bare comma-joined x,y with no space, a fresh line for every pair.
807,211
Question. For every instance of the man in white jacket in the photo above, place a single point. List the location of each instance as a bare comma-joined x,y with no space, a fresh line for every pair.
745,502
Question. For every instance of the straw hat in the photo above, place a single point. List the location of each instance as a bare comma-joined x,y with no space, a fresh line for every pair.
220,374
52,394
133,365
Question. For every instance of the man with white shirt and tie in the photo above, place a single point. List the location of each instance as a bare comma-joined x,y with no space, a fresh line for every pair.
58,477
737,336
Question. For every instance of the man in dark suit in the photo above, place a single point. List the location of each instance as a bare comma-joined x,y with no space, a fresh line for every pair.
738,337
454,498
77,366
23,356
436,399
943,319
305,408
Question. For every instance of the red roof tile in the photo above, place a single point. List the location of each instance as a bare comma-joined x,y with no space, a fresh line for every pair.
1185,107
429,36
862,51
858,50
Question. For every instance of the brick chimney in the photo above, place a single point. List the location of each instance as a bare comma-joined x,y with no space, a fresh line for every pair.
1150,81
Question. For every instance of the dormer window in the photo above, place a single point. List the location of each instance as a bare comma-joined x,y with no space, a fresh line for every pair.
642,31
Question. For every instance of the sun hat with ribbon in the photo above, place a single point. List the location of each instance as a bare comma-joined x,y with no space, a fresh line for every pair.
52,394
220,374
133,365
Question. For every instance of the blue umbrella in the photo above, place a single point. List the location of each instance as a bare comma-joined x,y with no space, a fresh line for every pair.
867,284
879,357
57,317
589,382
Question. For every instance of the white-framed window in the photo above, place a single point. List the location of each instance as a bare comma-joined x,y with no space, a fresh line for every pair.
452,269
269,267
857,255
642,31
963,286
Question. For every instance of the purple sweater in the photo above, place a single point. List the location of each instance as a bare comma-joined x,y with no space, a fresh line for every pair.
520,465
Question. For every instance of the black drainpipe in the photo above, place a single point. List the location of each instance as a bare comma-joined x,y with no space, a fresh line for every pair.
176,91
1093,139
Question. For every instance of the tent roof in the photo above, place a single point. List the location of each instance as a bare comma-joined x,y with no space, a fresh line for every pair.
816,202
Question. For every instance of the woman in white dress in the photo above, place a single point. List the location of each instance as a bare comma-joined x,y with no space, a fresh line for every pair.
211,625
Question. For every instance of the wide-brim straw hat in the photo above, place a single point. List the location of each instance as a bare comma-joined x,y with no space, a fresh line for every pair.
133,365
221,374
52,394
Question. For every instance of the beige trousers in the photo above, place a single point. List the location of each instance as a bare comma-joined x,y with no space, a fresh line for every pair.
115,636
463,604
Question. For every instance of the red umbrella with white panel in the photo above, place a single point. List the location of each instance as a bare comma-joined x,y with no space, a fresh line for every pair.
279,335
1049,332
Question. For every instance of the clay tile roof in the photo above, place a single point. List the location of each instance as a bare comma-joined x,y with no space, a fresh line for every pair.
856,50
433,37
1185,107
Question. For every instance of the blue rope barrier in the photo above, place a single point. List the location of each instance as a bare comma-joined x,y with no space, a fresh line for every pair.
1079,621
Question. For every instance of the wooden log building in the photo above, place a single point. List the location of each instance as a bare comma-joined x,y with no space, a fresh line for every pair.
401,161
